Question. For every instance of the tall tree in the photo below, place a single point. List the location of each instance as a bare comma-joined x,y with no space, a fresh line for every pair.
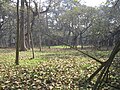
28,24
22,29
17,44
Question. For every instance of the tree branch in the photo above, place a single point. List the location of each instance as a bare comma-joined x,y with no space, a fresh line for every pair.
50,36
115,4
47,9
36,8
86,28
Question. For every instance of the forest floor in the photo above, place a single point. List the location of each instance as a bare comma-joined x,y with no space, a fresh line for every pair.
58,68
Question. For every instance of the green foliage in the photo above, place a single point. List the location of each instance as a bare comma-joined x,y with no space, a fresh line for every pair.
75,0
76,9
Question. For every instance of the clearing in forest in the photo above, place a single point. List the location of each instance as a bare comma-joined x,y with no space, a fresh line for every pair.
57,68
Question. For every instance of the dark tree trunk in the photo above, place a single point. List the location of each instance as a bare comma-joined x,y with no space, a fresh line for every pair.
17,42
28,26
81,41
31,37
40,42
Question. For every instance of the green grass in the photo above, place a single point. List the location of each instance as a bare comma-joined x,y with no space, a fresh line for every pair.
55,69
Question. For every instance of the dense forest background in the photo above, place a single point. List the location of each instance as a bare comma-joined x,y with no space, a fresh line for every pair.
64,26
67,21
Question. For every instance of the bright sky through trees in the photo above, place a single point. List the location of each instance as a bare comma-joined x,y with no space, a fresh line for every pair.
92,3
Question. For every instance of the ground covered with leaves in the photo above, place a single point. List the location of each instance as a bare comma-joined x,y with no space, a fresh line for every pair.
52,69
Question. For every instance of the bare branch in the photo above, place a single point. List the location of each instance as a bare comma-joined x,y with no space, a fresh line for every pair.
50,36
47,9
115,4
86,28
36,8
26,3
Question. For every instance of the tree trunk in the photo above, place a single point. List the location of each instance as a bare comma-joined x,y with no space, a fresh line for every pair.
40,42
22,30
81,41
31,37
46,27
104,68
28,26
17,43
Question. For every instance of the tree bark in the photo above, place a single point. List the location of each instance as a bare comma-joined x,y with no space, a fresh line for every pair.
28,25
17,43
22,30
40,42
31,37
81,41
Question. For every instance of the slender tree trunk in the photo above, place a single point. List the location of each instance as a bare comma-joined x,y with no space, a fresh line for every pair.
31,37
22,30
28,26
46,27
32,45
10,38
69,38
40,42
81,41
17,42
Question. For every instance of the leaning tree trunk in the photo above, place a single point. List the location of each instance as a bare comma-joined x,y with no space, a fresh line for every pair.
22,30
104,68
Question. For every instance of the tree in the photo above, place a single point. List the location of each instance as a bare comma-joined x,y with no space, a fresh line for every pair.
22,28
17,42
28,25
